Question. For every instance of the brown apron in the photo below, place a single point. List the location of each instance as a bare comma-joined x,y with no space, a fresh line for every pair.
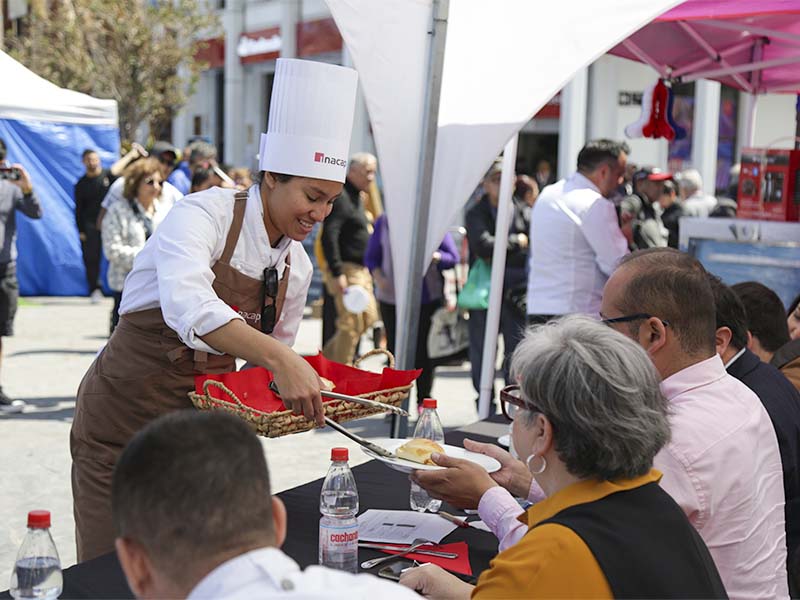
145,371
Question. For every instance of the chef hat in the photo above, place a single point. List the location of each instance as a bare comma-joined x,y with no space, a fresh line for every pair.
310,120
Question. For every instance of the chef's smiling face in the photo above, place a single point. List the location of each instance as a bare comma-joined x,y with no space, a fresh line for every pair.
295,205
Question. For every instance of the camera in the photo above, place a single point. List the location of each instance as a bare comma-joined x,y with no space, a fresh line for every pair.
10,173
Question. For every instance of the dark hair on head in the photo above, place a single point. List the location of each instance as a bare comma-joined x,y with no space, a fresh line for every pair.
525,184
281,177
766,315
674,287
730,312
668,187
87,152
136,173
597,152
200,176
192,485
3,149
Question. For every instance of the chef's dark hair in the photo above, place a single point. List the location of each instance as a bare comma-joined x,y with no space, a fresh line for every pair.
2,149
282,177
190,486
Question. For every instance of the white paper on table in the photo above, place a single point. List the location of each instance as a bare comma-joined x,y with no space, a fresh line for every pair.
401,526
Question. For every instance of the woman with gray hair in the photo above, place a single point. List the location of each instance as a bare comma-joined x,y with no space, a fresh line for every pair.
589,418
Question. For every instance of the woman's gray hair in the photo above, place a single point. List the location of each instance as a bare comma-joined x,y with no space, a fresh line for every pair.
600,392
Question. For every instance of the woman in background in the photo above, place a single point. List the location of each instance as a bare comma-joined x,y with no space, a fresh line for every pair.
130,223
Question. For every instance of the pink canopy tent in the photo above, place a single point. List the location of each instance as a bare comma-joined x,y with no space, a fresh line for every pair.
752,45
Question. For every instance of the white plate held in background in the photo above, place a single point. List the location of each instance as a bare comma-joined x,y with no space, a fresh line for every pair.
406,466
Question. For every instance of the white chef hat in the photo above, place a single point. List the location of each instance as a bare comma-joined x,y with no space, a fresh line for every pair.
310,120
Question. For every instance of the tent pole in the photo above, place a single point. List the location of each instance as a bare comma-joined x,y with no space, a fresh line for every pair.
407,323
504,209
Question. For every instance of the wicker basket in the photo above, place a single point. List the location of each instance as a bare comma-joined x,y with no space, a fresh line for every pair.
284,422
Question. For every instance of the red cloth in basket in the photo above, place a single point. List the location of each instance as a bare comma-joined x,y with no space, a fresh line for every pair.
251,386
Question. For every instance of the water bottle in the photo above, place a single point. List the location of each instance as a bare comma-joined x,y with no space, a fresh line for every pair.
338,527
429,427
37,572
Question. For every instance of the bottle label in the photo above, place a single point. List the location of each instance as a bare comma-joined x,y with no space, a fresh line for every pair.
338,536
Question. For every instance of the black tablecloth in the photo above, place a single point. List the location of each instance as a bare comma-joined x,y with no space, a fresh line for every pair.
378,487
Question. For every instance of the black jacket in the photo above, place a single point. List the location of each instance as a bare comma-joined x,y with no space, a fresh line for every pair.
345,232
782,402
480,224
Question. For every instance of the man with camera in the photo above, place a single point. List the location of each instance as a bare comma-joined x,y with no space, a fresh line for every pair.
16,193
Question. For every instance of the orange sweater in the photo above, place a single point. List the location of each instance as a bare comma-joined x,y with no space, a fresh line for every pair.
551,561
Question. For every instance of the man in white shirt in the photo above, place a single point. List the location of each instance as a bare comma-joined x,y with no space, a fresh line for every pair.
695,202
575,238
195,519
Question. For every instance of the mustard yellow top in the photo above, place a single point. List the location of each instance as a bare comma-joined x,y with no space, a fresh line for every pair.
552,561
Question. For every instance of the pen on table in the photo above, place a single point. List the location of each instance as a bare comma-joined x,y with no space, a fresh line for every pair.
455,520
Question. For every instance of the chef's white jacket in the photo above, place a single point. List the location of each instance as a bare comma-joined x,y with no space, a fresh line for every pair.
269,573
575,244
173,270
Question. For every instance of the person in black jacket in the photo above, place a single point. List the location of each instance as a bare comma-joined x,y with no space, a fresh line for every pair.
345,234
781,401
480,224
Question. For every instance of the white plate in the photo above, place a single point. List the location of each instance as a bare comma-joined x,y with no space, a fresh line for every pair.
504,440
406,466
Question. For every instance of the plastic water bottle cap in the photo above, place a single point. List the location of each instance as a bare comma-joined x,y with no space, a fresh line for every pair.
39,519
429,403
356,299
340,454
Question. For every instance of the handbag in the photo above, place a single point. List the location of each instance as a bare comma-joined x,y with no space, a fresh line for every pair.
448,335
475,293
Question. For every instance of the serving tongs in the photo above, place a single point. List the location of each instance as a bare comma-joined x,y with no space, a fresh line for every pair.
364,401
379,450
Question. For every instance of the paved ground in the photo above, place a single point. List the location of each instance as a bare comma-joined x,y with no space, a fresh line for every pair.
56,340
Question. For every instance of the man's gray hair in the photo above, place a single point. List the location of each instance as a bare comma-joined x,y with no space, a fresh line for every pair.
690,181
363,159
599,390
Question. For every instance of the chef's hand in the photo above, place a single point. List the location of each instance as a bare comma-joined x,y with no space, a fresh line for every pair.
461,484
513,474
434,582
299,386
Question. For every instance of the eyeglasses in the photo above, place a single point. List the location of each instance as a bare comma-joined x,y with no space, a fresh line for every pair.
153,182
511,400
270,292
629,318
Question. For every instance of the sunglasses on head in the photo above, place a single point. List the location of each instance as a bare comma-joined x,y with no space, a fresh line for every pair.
270,290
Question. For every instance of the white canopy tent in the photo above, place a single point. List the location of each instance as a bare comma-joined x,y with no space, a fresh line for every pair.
501,62
26,96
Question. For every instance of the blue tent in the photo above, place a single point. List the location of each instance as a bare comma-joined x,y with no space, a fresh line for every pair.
46,128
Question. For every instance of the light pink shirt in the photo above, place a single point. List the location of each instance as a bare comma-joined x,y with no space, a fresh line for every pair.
721,466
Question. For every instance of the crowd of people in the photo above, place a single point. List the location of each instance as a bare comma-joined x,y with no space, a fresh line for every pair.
118,209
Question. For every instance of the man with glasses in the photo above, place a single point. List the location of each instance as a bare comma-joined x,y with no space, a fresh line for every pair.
722,466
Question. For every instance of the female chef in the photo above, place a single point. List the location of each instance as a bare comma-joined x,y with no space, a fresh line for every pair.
224,276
